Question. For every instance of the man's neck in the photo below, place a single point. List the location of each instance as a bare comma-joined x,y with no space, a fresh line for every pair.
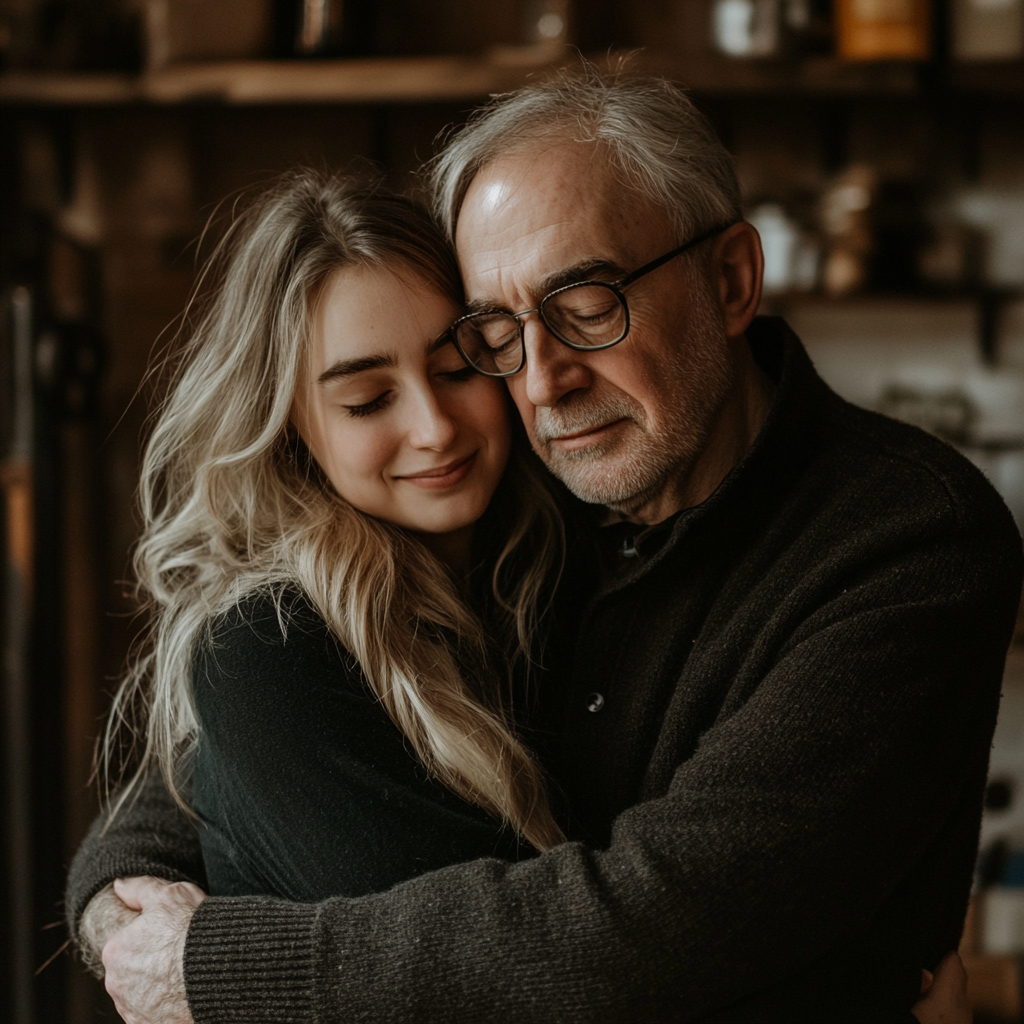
734,430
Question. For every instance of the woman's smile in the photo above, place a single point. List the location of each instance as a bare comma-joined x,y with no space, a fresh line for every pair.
448,475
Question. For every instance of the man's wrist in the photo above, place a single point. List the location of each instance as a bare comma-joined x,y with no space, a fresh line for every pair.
254,956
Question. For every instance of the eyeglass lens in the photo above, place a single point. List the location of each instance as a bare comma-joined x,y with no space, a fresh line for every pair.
586,315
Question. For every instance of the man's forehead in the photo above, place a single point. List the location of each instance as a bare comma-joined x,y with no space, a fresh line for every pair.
525,189
536,213
566,166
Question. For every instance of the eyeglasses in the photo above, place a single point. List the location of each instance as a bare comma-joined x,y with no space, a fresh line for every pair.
586,316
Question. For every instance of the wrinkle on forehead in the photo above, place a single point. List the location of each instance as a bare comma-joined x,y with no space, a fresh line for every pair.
592,173
522,204
533,213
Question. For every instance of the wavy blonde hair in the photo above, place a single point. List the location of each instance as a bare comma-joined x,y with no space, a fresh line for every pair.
233,504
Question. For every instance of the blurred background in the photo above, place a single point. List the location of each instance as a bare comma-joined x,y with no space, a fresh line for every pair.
880,145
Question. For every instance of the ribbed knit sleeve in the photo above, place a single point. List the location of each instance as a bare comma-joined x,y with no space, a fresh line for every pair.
274,938
149,835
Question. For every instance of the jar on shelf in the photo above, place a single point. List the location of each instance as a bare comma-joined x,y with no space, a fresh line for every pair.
546,23
883,29
988,29
791,255
846,223
746,28
770,28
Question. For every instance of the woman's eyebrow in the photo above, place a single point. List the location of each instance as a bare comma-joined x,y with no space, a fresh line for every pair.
347,367
440,341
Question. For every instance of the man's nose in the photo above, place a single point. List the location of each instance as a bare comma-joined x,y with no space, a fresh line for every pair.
552,369
431,425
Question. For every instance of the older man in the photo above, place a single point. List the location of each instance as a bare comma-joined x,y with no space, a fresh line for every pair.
775,738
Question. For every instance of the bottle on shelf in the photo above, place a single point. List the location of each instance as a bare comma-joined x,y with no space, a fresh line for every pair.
883,29
323,28
846,222
71,35
769,28
807,26
184,31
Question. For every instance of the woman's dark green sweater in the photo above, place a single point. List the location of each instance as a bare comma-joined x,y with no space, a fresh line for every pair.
305,787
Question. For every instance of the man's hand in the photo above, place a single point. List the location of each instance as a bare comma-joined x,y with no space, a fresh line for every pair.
944,995
144,961
104,915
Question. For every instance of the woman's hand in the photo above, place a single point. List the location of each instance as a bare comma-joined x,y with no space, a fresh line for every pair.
144,961
944,994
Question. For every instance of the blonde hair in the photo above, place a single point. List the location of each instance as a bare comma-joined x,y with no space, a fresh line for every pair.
233,505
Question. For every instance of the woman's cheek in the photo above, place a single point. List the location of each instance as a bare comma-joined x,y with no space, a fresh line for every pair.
490,408
369,452
357,454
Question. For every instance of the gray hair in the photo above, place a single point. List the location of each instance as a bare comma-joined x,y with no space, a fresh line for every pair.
659,143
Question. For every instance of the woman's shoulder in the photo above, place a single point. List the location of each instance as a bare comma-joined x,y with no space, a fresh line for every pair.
273,639
268,617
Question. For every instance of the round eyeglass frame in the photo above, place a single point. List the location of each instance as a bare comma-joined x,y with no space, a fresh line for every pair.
617,288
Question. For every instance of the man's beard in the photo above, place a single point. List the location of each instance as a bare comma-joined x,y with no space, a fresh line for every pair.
627,473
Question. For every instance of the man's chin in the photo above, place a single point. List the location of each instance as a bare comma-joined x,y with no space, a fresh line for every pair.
610,482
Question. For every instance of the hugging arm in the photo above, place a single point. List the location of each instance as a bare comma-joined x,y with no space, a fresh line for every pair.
792,829
149,835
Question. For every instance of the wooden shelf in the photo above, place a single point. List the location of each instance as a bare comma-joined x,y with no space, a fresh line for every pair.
994,78
709,74
427,79
278,82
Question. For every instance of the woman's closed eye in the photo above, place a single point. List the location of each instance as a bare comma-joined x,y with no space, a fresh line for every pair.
456,375
463,373
382,401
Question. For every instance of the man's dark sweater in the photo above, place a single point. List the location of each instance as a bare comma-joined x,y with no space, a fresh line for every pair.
775,738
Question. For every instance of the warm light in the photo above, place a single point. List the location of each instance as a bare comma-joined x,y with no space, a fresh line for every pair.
551,26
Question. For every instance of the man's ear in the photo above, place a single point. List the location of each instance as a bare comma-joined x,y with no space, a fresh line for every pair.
737,269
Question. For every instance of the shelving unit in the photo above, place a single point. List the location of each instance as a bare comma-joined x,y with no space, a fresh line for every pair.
275,82
1005,77
433,79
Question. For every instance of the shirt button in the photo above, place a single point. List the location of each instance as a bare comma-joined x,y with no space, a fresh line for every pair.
595,702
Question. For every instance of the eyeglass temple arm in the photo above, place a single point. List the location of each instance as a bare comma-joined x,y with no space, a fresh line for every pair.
678,251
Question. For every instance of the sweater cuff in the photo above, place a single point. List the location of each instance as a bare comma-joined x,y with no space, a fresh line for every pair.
250,959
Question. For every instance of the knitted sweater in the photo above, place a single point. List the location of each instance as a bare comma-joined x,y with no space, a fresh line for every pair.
774,738
305,787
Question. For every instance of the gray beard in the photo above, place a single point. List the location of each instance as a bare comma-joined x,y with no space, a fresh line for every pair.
629,472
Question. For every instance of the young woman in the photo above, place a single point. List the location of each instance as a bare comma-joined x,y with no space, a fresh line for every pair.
346,551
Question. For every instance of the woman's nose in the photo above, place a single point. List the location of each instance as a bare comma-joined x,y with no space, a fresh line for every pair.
432,425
